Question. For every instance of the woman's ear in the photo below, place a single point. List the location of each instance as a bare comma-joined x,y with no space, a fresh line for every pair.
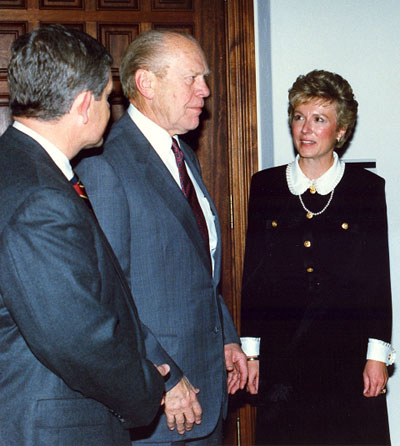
340,133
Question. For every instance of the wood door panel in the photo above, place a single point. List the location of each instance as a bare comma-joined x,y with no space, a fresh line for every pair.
61,4
185,27
18,4
131,5
9,31
116,38
172,5
78,26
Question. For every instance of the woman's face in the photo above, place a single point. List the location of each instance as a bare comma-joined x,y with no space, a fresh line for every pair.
314,129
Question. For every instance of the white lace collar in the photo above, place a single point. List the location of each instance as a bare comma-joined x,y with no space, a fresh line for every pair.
298,183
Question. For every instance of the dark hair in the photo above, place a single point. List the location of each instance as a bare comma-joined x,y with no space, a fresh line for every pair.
331,87
50,66
150,50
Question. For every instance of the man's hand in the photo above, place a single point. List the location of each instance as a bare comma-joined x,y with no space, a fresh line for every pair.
182,407
236,365
163,370
254,376
375,378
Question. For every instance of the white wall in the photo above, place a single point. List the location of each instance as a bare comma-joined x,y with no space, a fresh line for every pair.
360,40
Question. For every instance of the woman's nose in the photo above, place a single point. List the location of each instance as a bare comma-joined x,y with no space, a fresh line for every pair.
306,127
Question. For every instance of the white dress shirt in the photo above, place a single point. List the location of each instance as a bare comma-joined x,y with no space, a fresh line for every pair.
161,142
59,158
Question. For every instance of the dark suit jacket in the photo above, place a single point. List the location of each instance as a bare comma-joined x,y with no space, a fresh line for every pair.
154,234
71,344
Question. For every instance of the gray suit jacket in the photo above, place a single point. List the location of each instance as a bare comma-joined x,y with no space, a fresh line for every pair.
154,234
70,340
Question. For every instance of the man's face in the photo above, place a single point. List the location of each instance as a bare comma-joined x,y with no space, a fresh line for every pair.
179,94
99,114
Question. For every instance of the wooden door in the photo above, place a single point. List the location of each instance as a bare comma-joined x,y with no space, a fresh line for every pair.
225,141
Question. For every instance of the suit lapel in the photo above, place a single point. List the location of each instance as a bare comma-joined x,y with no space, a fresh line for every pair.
196,173
158,177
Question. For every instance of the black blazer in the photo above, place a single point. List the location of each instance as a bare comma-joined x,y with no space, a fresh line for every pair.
315,290
348,254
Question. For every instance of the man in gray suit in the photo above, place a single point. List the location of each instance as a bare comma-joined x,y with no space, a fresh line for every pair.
163,226
73,370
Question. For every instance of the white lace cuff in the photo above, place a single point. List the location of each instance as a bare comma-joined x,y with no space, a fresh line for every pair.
381,351
250,346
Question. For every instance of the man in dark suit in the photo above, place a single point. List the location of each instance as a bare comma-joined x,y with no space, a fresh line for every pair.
73,370
162,224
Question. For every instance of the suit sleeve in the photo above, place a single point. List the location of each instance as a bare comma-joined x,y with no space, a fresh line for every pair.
52,284
377,289
230,332
107,195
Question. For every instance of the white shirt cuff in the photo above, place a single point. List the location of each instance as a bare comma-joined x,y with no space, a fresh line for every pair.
250,346
381,351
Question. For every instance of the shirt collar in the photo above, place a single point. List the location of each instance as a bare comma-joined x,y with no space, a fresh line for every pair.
159,138
298,182
58,157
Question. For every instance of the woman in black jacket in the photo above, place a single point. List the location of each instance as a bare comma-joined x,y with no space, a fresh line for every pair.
316,284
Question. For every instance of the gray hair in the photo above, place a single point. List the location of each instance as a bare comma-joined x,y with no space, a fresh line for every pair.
50,66
150,50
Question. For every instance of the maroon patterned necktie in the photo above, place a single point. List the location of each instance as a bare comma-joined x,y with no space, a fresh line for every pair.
81,191
190,193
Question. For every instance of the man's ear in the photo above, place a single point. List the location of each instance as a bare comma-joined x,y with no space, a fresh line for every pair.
81,105
145,81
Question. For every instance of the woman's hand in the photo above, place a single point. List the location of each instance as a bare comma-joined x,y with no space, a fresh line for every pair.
375,378
254,374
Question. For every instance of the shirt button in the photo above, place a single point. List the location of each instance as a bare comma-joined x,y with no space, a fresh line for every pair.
274,224
345,226
307,243
310,270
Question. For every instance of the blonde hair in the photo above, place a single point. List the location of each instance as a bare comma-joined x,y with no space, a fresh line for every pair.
330,87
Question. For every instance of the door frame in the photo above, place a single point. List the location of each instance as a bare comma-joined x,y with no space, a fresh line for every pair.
243,161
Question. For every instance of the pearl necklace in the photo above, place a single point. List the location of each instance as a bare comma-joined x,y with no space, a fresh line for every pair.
311,214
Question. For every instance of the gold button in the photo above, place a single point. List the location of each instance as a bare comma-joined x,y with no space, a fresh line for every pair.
345,226
307,243
310,270
274,224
